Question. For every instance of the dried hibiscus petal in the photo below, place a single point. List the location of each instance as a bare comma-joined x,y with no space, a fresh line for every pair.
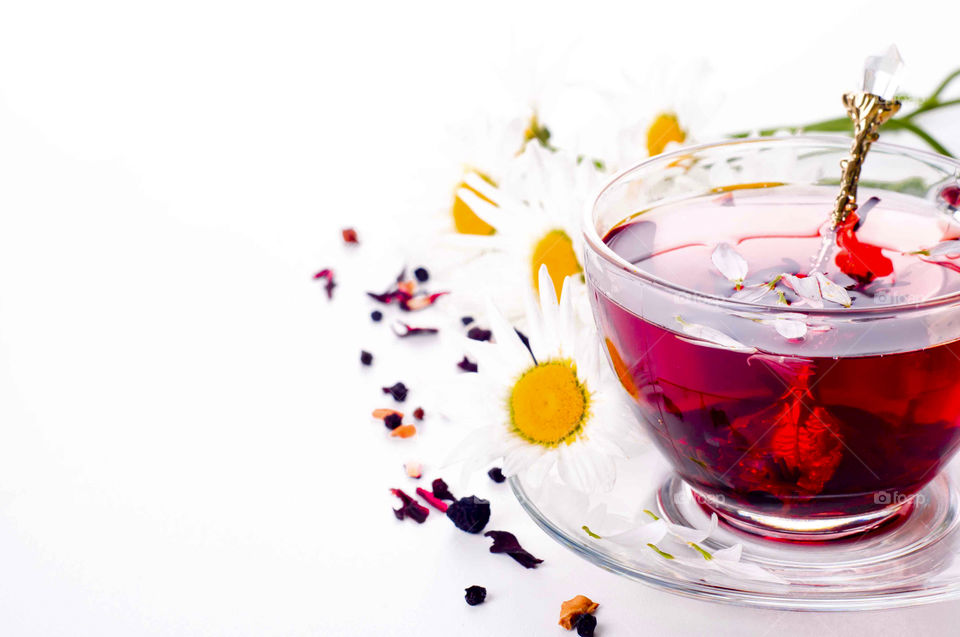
504,542
467,365
418,413
349,236
496,474
441,490
414,469
479,334
475,595
404,330
951,195
392,421
861,261
366,357
470,514
398,391
411,508
572,609
327,275
433,500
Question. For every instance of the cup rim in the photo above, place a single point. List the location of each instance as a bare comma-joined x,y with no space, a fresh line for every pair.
593,241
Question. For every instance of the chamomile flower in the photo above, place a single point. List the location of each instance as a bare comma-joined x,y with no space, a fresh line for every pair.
538,223
553,407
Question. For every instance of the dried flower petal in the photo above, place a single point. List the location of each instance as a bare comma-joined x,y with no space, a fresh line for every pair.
951,195
403,330
418,413
411,508
414,469
366,357
327,275
433,500
440,490
504,542
466,320
496,474
479,334
571,609
467,365
398,391
404,431
349,236
731,263
392,421
380,414
470,514
475,595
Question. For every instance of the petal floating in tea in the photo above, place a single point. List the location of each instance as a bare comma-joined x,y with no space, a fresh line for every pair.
731,263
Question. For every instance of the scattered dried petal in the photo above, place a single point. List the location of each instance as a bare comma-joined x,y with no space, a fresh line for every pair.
466,320
350,236
496,474
380,414
404,431
467,365
479,334
586,624
418,413
327,275
366,357
571,609
411,508
392,421
504,542
433,500
398,391
470,514
414,469
475,595
440,490
403,330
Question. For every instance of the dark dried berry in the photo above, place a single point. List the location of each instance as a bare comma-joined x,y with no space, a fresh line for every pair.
504,542
418,413
496,474
392,421
376,315
410,509
466,320
350,235
585,625
398,391
422,275
476,595
441,490
479,334
366,357
470,514
467,365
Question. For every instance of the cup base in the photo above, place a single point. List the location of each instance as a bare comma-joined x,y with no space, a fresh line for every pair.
675,495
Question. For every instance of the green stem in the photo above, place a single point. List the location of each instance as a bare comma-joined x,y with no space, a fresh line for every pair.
928,106
907,125
943,85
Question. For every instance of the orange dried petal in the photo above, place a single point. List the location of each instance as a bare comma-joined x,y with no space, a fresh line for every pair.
380,414
403,431
573,608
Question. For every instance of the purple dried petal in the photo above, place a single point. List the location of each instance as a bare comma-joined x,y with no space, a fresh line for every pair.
327,275
410,509
470,514
403,330
496,474
441,490
479,334
397,390
467,365
504,542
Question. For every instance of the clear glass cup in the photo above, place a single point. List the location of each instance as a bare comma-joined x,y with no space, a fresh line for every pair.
813,440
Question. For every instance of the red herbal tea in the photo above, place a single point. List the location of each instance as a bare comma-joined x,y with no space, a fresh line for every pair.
800,414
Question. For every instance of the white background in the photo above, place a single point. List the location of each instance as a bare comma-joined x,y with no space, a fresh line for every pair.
185,445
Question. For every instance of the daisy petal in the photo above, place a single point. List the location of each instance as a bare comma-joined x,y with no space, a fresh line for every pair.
731,263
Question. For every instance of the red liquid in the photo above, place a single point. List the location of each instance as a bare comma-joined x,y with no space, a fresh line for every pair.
839,423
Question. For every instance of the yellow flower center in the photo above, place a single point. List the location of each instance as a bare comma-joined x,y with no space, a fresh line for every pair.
555,250
548,405
664,129
464,219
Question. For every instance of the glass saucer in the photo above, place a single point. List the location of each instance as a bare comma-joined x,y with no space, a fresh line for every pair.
909,561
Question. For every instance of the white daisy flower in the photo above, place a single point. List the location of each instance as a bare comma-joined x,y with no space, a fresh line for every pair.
553,407
537,221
